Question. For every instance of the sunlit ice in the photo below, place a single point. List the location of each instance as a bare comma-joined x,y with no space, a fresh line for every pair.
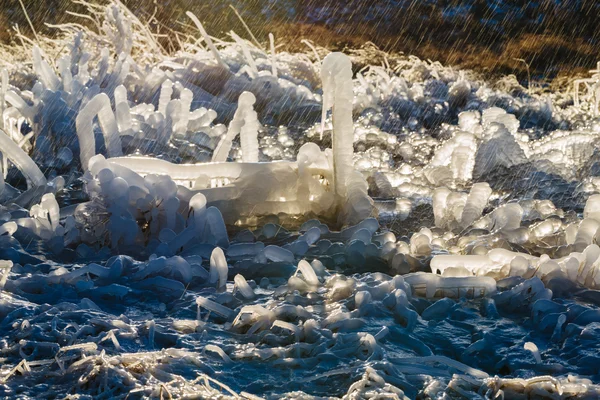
219,218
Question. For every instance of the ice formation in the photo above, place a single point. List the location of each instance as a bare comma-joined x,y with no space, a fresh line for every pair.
245,124
592,91
318,184
176,225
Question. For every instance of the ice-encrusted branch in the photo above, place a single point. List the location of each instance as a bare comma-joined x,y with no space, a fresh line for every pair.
273,55
207,39
245,123
336,74
246,53
44,71
22,161
99,106
123,112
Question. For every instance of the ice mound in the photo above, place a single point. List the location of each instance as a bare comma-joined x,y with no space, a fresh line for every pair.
231,222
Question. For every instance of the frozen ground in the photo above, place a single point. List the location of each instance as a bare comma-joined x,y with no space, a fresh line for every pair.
456,256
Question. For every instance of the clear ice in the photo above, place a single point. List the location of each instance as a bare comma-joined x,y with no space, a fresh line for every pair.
231,222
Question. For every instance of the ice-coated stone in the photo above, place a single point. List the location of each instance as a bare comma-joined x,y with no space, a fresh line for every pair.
243,287
216,228
212,306
278,254
507,217
308,273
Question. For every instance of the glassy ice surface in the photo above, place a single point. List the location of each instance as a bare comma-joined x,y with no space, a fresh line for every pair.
231,222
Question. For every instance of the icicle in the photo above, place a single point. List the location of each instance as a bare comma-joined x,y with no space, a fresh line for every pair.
172,116
215,225
103,65
596,100
64,68
3,171
50,204
476,202
249,132
25,109
440,198
99,106
151,333
273,55
219,351
534,350
308,273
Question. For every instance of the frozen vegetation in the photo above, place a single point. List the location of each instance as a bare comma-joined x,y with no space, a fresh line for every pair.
232,222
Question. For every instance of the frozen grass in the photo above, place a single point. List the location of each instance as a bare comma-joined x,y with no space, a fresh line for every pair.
162,274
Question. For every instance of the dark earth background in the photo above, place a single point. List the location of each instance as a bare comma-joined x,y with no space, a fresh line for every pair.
557,38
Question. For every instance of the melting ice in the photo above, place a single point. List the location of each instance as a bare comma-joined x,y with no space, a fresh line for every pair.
230,222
